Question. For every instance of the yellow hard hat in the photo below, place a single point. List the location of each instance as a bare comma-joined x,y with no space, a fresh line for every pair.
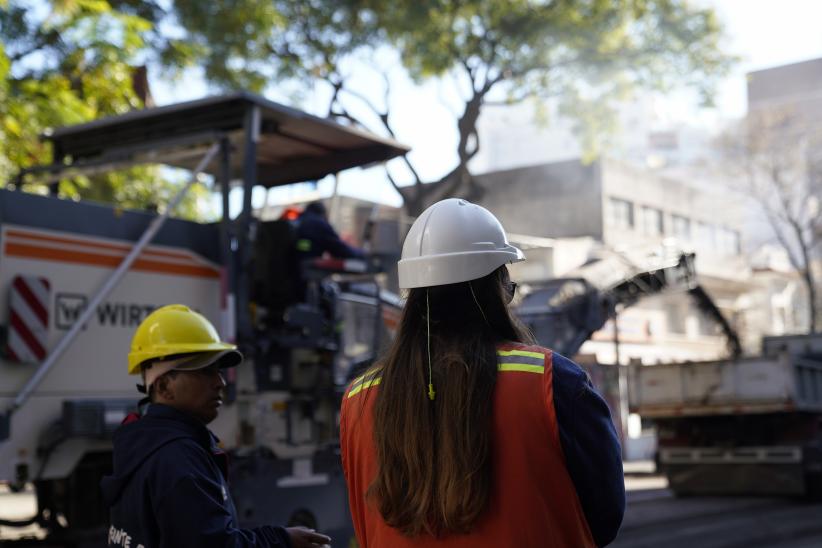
172,330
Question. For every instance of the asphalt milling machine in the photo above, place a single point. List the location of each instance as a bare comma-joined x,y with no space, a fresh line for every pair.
77,278
740,425
564,312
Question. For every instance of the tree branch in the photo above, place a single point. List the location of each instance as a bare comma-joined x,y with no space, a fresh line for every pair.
51,38
521,98
781,191
367,102
384,119
447,186
345,115
392,180
336,86
783,240
457,86
472,76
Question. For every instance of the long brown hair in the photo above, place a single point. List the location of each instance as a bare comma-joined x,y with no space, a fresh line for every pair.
434,457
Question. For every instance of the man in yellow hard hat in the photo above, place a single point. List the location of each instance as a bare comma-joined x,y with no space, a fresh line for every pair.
169,486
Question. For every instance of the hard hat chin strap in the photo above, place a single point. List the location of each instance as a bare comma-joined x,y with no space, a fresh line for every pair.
431,393
143,389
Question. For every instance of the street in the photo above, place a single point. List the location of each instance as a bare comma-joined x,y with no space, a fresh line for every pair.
654,518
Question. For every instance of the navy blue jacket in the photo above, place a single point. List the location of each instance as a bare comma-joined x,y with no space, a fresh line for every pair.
591,447
316,236
169,488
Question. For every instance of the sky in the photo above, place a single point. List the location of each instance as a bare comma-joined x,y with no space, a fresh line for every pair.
765,34
762,33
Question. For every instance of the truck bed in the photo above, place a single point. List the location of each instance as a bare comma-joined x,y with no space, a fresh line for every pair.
765,384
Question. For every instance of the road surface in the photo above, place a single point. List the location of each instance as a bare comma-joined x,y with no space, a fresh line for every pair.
654,518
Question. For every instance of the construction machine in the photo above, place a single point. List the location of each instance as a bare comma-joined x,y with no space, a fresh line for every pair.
564,312
77,278
733,426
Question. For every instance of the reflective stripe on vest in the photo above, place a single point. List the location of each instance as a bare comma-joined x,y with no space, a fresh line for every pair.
364,382
521,360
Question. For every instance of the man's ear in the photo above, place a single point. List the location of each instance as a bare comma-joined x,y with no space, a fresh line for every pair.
162,389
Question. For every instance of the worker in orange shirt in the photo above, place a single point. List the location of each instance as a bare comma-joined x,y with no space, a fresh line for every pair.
467,434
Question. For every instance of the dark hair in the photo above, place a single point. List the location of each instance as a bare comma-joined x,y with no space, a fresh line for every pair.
434,470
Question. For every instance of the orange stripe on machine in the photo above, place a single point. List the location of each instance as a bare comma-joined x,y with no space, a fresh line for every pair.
112,261
98,251
95,245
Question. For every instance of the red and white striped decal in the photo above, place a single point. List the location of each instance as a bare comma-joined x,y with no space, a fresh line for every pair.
28,319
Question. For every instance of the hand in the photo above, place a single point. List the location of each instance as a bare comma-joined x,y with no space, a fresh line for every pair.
302,537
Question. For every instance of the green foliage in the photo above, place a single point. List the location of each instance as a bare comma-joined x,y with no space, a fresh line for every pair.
590,54
251,43
232,40
70,65
73,64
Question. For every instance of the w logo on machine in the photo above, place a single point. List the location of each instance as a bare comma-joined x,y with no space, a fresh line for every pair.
28,319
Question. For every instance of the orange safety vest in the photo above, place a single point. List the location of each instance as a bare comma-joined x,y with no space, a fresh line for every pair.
533,501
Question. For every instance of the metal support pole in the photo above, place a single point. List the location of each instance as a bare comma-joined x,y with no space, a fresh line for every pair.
58,158
107,287
334,215
228,327
623,385
251,128
226,242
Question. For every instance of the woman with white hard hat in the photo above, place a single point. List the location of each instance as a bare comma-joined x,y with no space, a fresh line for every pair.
467,434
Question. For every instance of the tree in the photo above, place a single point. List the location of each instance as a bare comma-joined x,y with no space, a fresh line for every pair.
589,54
68,62
778,152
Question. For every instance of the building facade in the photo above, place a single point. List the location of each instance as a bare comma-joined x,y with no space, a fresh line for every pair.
641,216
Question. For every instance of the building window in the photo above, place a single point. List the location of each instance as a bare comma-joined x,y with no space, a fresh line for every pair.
728,241
681,227
676,314
621,213
652,221
708,327
705,236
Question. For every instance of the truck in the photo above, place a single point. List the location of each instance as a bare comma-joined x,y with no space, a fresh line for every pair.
742,425
77,278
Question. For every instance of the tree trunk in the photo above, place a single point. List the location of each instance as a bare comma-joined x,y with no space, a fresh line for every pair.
807,272
459,181
807,277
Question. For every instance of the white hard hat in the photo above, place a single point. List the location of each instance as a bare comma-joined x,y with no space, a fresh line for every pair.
454,241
